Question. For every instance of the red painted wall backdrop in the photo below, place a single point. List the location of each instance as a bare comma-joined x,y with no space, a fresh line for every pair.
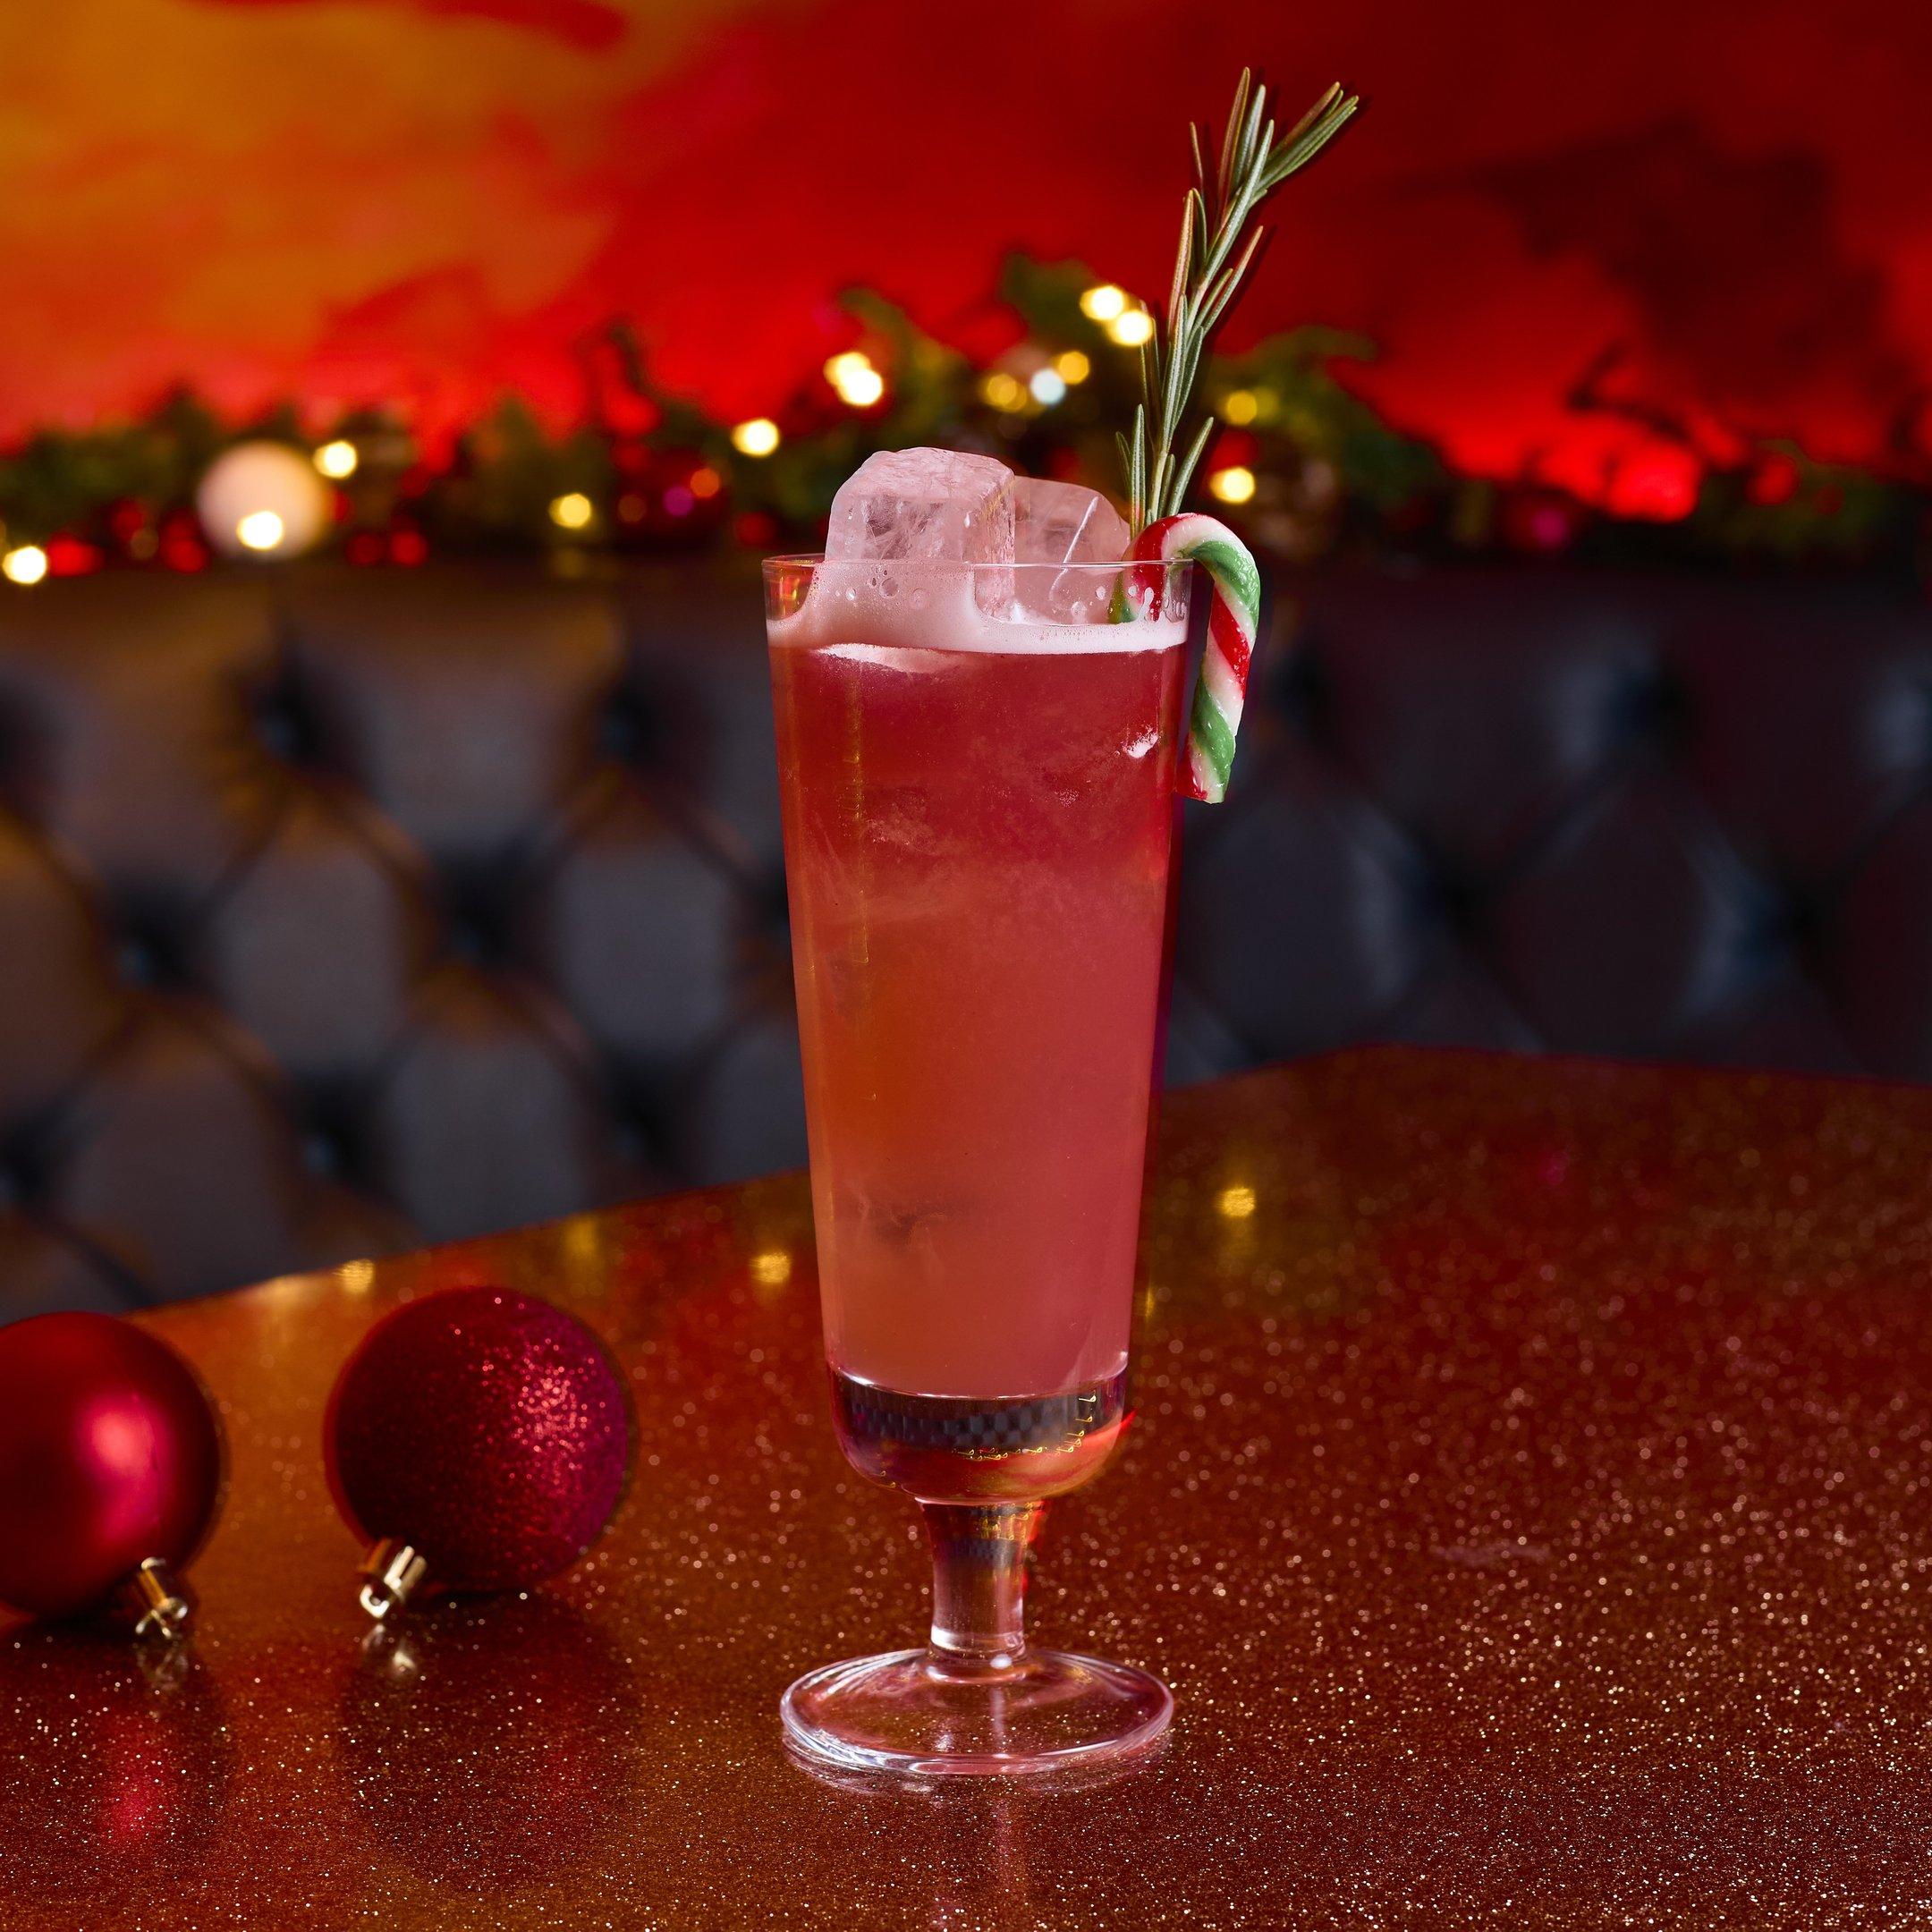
1723,208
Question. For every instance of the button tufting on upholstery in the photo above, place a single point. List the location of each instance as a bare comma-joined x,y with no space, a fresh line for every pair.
475,931
325,1152
146,959
1918,707
771,911
339,910
23,1169
1656,707
285,725
636,1137
628,728
472,941
1300,689
1786,921
1456,899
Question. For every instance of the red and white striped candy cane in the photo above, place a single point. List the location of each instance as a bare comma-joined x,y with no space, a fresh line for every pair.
1233,619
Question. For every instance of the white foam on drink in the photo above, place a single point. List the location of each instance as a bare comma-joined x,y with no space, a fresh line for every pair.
859,611
908,663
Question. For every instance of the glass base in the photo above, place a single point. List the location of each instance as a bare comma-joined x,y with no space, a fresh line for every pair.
908,1713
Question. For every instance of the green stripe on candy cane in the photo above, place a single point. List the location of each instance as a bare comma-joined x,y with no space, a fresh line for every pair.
1233,617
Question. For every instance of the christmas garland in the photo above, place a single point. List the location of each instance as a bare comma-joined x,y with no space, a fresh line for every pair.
1299,463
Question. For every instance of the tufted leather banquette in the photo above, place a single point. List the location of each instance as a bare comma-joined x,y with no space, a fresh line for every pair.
346,911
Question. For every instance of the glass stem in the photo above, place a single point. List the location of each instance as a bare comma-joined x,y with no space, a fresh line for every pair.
980,1578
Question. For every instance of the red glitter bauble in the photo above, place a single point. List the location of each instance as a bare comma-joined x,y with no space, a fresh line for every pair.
486,1429
109,1455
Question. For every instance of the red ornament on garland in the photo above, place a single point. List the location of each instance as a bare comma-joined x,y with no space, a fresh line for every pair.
1774,479
1540,522
183,546
110,1469
72,556
131,530
477,1438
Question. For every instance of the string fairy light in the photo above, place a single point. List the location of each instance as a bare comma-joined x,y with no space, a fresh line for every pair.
758,436
852,375
260,531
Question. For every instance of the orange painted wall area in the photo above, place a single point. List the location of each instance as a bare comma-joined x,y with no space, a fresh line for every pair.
1723,208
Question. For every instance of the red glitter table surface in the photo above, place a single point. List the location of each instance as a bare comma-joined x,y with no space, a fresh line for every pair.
1529,1508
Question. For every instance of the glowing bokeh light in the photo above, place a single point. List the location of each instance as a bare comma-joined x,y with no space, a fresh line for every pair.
1004,391
859,385
1235,1203
260,531
758,436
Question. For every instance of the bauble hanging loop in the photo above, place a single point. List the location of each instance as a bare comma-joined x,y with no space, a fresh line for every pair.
391,1570
478,1439
110,1471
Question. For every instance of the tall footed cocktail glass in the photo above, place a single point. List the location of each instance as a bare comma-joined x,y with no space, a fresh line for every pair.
978,772
978,714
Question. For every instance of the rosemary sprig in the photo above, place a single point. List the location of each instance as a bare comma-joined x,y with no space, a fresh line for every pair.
1218,246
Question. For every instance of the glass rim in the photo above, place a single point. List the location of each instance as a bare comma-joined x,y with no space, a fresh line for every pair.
807,560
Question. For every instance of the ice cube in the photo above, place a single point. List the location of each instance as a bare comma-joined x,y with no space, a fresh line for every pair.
1065,524
923,504
1055,524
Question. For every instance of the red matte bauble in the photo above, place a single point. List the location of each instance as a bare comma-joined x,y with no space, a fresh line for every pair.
487,1430
109,1454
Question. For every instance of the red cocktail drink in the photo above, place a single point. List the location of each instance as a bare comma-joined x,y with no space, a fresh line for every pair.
977,847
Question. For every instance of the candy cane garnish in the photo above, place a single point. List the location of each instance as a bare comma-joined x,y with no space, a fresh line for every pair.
1233,619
